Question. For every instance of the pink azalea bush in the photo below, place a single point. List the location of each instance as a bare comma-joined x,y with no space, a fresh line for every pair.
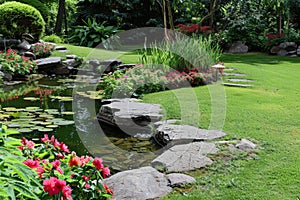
63,174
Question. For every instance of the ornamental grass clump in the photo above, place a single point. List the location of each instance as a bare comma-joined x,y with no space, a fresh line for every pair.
63,174
14,64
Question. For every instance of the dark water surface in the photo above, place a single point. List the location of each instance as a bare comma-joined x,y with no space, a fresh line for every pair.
86,136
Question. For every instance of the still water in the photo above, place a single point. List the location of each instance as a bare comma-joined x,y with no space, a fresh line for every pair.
85,135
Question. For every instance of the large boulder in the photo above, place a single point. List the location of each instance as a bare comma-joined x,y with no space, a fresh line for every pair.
134,118
143,183
238,47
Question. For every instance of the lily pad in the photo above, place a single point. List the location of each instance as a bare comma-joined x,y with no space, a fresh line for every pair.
27,125
36,122
64,123
13,125
36,127
8,109
52,126
31,99
62,98
45,129
67,113
25,130
46,123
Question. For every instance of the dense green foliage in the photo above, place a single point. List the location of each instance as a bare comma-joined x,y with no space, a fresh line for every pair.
44,10
17,18
17,181
91,33
52,38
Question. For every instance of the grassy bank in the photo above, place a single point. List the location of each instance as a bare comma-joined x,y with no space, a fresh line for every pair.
268,113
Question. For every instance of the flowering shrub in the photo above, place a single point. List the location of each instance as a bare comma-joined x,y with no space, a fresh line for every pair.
65,175
42,50
193,28
14,64
141,80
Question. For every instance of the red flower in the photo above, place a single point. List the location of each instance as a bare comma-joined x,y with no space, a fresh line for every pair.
105,172
53,185
75,161
108,190
98,163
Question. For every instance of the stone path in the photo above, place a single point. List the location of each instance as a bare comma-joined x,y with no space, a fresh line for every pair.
238,81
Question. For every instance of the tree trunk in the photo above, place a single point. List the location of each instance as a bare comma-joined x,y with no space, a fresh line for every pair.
60,17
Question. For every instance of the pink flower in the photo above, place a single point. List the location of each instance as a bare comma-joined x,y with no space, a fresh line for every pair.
85,178
98,163
105,172
56,165
45,138
67,193
64,147
84,160
87,186
32,163
28,143
53,185
40,170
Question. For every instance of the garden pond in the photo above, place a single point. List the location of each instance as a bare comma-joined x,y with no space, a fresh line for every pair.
53,106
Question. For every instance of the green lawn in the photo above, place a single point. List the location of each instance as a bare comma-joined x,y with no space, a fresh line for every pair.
100,54
268,113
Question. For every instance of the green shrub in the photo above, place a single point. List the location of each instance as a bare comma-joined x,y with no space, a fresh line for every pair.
52,38
91,33
18,18
36,4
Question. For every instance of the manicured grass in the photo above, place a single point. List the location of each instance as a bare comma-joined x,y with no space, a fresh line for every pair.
100,54
268,113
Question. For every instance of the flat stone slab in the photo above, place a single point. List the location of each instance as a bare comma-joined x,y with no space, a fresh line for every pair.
234,74
239,80
131,117
48,62
180,134
143,183
237,85
179,180
185,157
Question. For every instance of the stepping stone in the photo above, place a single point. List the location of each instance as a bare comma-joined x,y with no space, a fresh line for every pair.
239,80
60,48
179,180
185,157
142,183
237,85
50,62
234,74
134,118
180,134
